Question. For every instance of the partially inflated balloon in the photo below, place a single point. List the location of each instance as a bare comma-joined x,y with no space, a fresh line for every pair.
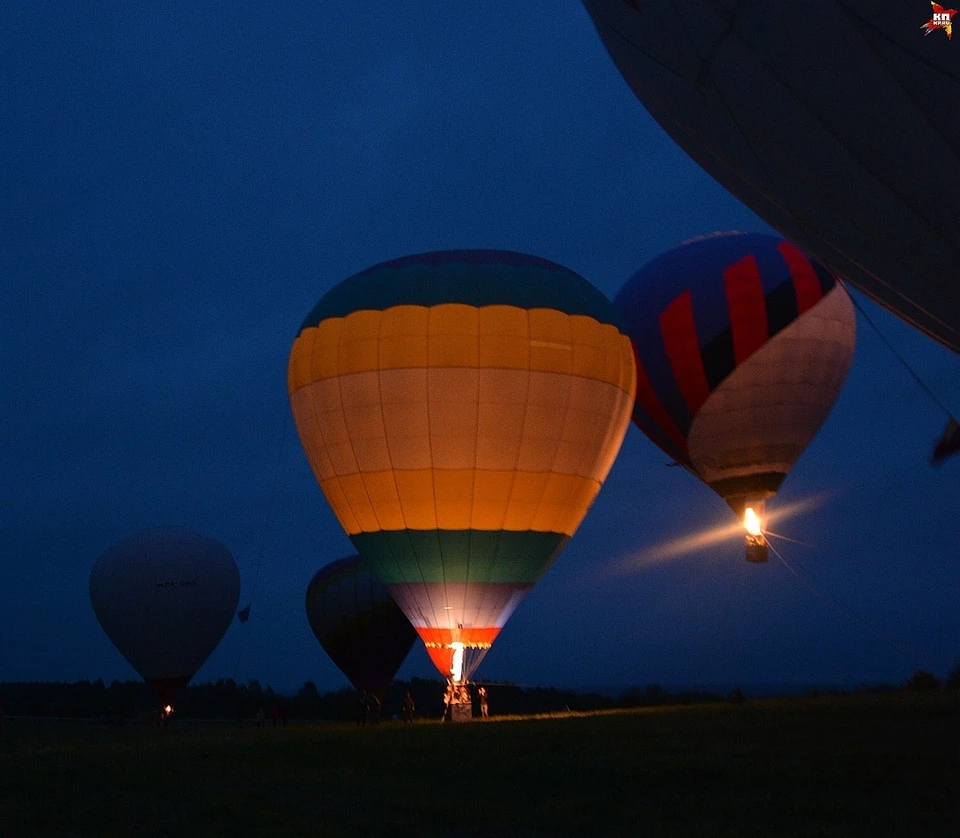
832,121
165,597
742,347
357,623
460,411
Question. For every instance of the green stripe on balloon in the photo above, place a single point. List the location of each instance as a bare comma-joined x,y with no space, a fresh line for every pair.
469,277
459,555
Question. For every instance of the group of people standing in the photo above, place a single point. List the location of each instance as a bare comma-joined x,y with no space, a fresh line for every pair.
458,695
368,708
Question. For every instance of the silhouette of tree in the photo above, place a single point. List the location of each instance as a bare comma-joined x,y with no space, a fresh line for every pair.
923,681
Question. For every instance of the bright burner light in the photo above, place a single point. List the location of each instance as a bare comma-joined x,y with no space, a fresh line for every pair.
456,670
752,523
756,545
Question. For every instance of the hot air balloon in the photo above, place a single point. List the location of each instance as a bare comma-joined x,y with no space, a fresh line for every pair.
358,625
829,120
165,597
460,411
742,345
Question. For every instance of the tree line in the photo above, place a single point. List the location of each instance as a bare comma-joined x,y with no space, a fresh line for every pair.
227,699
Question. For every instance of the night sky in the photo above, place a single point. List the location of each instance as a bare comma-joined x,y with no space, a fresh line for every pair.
181,182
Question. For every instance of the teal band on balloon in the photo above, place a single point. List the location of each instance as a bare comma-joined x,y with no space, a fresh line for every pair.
459,555
469,277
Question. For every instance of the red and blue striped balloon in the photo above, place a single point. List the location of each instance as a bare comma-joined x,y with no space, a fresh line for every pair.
742,344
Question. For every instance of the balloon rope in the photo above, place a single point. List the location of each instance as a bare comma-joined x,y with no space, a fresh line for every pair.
893,644
731,598
920,382
792,540
267,521
271,503
829,551
733,591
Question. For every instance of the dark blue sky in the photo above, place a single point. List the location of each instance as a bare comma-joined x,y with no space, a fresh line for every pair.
182,182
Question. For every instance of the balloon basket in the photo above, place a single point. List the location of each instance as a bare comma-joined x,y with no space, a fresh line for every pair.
461,712
758,551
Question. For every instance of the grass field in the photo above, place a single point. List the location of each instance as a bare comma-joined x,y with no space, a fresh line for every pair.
873,766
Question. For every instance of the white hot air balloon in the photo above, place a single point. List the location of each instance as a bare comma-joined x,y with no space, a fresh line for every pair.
165,597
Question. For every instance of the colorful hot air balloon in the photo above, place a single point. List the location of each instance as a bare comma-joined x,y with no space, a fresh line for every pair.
460,411
358,625
165,597
742,347
832,121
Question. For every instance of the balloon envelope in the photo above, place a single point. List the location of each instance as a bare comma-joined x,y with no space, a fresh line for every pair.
357,623
832,121
460,411
165,597
742,347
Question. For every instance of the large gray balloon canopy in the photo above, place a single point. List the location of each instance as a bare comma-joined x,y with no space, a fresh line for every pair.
834,122
165,597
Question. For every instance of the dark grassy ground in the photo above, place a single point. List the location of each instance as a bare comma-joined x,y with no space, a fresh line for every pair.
873,766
